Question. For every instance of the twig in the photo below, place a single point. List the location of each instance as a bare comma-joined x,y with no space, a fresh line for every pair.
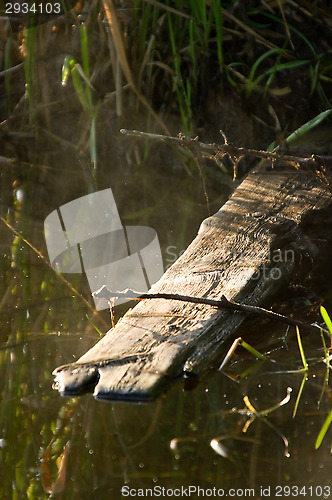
222,303
229,149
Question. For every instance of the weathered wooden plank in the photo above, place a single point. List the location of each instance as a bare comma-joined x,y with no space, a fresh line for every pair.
245,252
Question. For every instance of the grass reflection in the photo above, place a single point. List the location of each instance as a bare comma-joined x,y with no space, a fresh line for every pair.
181,63
79,446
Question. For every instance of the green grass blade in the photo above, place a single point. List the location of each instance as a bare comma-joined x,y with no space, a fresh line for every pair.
93,147
79,89
253,82
249,348
323,430
326,318
299,341
326,350
260,59
199,12
308,126
85,51
299,394
291,28
289,65
217,13
327,373
313,77
86,69
281,67
271,72
253,351
94,326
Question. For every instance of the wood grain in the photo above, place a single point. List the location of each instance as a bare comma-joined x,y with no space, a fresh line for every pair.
235,254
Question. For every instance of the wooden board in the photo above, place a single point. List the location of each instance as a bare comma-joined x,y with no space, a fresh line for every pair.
245,252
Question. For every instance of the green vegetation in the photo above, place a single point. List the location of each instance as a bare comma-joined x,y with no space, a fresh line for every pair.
80,76
252,412
174,55
327,360
258,71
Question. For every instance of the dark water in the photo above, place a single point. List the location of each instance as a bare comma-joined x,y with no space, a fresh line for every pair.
77,448
162,444
198,443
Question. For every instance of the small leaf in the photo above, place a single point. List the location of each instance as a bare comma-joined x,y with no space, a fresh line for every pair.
85,51
94,326
66,67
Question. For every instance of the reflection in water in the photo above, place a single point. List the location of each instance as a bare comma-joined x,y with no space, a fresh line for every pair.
78,447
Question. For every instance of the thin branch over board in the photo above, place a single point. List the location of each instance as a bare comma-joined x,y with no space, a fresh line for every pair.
222,303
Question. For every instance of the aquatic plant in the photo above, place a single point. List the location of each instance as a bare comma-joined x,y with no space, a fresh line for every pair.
327,360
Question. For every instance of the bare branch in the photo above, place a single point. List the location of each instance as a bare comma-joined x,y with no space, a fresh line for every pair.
223,303
231,150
